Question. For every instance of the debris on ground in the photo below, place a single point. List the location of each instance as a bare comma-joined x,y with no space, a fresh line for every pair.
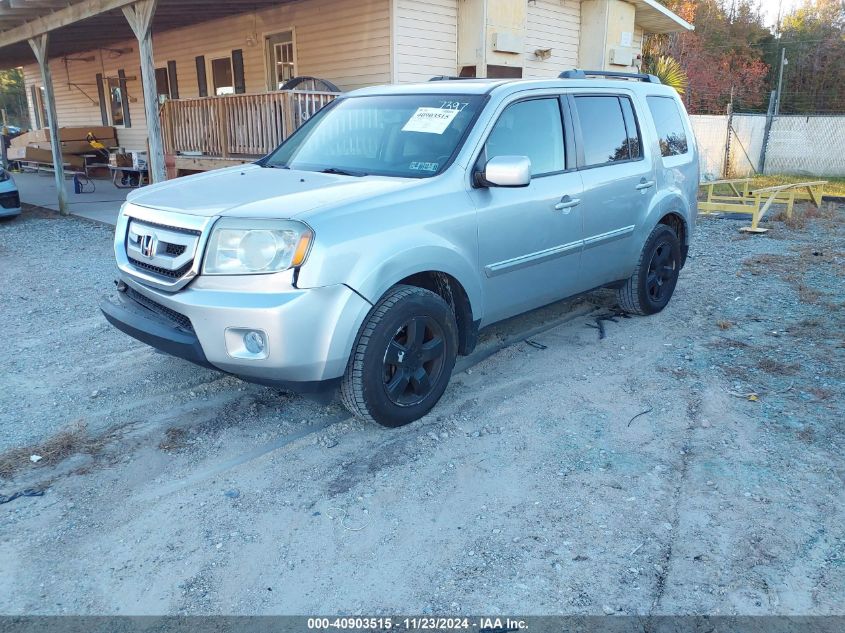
28,492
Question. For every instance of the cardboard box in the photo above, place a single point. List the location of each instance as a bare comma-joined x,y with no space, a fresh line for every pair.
76,147
117,159
81,133
45,156
16,153
22,140
66,134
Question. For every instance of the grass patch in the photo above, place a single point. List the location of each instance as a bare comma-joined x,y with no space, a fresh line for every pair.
75,440
777,368
834,186
174,439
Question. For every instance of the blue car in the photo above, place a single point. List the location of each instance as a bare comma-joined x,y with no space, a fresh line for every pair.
10,200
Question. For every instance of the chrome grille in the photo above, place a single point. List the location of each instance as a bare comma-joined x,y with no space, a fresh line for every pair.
165,251
161,249
164,272
175,249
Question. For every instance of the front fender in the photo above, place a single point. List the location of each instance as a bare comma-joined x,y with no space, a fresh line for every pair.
372,268
431,257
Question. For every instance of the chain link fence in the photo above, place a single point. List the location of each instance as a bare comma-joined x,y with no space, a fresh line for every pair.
731,146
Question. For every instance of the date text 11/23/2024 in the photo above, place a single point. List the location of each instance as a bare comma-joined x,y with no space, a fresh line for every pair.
424,623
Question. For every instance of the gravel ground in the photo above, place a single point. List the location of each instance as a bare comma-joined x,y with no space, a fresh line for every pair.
531,488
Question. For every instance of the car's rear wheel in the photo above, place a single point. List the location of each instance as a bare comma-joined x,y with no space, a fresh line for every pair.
403,358
651,286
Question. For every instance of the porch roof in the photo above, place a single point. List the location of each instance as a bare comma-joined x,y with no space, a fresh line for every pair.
653,17
79,25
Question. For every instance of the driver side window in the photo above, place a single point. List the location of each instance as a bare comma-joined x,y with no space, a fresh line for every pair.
531,128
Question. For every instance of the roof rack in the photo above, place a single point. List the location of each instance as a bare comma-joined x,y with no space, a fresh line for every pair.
583,74
448,78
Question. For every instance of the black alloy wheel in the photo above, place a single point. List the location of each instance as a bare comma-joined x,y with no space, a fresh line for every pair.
662,272
414,361
403,357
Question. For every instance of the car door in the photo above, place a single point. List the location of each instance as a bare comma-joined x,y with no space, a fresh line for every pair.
529,238
617,171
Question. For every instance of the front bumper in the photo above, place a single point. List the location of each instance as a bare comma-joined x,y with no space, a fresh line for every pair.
310,333
10,201
131,317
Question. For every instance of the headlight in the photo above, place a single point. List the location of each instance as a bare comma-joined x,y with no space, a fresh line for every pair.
245,247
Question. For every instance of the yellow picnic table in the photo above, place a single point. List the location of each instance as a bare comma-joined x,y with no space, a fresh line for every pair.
756,202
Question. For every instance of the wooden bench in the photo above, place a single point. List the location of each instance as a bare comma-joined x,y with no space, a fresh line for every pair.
757,202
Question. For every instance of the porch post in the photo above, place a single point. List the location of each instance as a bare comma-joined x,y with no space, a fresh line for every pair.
39,47
140,18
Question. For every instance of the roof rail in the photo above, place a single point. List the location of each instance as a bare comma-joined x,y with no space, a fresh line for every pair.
583,74
448,78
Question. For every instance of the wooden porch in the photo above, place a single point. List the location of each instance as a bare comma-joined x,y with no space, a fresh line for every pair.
214,132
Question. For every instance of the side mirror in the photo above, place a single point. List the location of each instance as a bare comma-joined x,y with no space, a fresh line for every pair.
507,171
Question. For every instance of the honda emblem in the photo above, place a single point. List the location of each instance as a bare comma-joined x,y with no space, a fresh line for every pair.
148,245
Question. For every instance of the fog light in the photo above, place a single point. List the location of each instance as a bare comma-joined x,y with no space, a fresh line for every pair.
254,342
247,343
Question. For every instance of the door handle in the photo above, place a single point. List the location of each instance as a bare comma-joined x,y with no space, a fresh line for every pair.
645,184
566,203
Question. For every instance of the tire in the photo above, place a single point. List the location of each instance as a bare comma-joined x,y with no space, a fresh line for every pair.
651,286
402,359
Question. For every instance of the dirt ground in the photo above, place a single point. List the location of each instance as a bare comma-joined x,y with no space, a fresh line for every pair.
534,487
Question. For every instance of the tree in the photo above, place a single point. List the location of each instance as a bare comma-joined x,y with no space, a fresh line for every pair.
669,71
814,38
13,97
724,56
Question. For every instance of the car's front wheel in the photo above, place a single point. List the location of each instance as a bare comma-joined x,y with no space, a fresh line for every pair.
651,286
402,359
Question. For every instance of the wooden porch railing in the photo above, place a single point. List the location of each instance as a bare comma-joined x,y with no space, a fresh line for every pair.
237,125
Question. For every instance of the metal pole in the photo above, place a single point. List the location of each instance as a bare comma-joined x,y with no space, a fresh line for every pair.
726,168
770,115
39,47
780,79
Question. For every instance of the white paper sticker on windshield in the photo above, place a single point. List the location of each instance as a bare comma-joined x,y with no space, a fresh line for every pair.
430,120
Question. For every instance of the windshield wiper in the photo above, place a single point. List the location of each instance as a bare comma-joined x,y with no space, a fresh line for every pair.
275,166
343,172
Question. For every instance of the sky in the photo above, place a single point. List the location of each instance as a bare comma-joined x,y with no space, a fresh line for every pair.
769,8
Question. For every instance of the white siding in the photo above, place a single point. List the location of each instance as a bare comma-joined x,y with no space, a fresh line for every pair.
426,39
345,41
553,24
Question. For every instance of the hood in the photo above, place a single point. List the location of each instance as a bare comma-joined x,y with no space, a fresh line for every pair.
254,191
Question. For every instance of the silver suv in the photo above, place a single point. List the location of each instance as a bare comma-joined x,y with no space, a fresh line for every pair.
371,247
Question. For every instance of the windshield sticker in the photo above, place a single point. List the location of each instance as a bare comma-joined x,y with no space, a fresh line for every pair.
430,120
418,166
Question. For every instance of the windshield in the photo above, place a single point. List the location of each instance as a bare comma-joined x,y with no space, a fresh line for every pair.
412,136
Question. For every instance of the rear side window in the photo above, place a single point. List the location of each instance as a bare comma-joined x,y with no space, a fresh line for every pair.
530,128
609,129
669,124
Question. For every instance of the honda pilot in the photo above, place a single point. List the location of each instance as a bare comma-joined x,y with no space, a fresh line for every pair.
367,251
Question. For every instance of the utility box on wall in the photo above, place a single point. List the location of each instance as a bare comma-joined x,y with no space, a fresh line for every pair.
610,39
621,56
491,37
